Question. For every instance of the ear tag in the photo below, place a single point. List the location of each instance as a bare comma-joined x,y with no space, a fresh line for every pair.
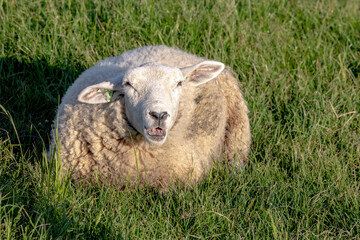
108,94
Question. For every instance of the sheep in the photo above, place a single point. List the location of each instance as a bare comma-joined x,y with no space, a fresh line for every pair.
151,116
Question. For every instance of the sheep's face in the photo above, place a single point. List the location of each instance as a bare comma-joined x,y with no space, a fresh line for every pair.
151,94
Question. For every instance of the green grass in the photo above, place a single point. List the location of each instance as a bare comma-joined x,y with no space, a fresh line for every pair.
299,66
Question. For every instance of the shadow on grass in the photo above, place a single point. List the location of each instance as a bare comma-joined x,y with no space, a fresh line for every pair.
31,92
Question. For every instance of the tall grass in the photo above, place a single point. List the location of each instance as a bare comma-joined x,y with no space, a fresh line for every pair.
299,67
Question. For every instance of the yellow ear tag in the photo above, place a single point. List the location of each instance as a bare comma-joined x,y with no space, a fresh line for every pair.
108,94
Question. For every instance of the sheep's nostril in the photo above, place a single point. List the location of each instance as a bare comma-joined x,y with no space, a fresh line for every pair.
159,116
154,115
164,115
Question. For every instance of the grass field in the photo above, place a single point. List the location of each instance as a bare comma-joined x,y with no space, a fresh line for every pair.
299,67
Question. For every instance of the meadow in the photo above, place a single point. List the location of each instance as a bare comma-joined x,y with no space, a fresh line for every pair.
298,63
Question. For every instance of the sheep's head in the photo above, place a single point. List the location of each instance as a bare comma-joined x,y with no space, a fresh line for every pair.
151,94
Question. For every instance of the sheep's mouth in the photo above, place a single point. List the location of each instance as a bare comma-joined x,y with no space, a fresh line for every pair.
156,134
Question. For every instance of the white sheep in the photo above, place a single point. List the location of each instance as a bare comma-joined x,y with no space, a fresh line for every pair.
151,116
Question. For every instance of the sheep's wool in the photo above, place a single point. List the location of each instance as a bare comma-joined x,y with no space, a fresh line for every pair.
97,140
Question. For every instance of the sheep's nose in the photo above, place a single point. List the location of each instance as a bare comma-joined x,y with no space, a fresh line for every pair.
159,116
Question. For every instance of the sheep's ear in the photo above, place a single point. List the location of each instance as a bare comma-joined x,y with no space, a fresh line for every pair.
103,92
202,72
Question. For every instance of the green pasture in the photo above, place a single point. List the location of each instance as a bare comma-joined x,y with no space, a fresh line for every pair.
299,67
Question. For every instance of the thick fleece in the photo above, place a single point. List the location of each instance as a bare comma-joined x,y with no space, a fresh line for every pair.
98,140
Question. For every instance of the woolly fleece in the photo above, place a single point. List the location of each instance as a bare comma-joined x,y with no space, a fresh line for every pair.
212,123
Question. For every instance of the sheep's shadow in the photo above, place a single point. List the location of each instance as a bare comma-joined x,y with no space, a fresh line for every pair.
29,95
30,92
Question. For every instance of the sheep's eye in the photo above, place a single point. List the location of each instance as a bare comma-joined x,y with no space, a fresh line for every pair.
128,84
179,84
